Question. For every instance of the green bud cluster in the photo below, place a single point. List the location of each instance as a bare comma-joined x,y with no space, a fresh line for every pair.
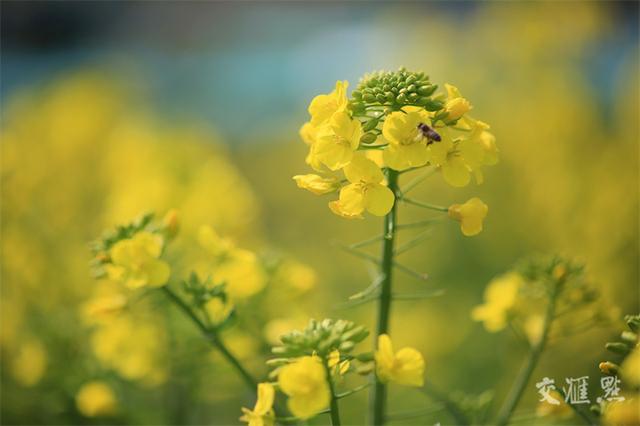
202,291
628,338
321,338
395,89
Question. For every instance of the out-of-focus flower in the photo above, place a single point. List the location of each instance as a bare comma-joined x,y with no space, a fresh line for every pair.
238,268
500,296
365,192
456,106
405,367
29,363
622,413
561,410
337,141
296,275
630,368
317,184
132,347
135,261
533,328
305,382
171,223
262,413
278,327
218,310
470,215
96,399
323,107
337,366
103,308
407,134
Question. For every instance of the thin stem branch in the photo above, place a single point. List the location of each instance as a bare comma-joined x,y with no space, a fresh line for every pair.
213,338
352,391
378,399
530,364
459,417
425,205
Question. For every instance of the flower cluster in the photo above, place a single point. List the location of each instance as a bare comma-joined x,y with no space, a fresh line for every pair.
311,361
400,116
521,296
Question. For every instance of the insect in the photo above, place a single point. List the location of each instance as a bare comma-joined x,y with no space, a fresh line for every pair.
429,133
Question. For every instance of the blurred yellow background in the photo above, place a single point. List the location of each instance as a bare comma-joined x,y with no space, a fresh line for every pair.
107,122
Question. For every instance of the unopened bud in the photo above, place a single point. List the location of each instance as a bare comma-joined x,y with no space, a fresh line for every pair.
609,368
171,223
617,347
370,125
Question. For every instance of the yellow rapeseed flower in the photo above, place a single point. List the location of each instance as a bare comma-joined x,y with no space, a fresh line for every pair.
365,191
262,413
317,184
135,261
95,399
336,142
447,155
305,382
405,367
622,413
456,106
322,107
218,310
500,297
470,215
407,141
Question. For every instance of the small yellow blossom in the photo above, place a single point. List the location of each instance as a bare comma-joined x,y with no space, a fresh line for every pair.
305,382
335,365
218,310
407,141
317,184
214,243
323,107
405,367
262,413
456,106
470,215
365,191
533,328
500,296
337,141
447,155
29,363
95,399
135,261
630,368
308,133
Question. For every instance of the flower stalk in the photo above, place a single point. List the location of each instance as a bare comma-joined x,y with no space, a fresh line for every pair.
379,394
334,410
530,364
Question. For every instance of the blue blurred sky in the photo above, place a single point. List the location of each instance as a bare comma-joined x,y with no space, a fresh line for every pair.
247,67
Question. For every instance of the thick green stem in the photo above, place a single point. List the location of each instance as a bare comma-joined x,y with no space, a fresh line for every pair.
379,395
530,364
334,410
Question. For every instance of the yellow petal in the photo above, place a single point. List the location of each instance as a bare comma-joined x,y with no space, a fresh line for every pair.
352,199
266,395
411,370
361,169
157,273
337,209
455,172
317,184
331,152
378,199
402,157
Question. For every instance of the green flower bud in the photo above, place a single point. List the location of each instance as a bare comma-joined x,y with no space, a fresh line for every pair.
412,88
412,97
356,94
346,346
401,98
629,337
617,347
381,98
369,98
370,125
357,106
411,79
390,97
433,105
427,90
365,357
633,322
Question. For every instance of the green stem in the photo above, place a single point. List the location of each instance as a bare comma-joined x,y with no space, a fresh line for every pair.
379,395
530,364
334,411
213,338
